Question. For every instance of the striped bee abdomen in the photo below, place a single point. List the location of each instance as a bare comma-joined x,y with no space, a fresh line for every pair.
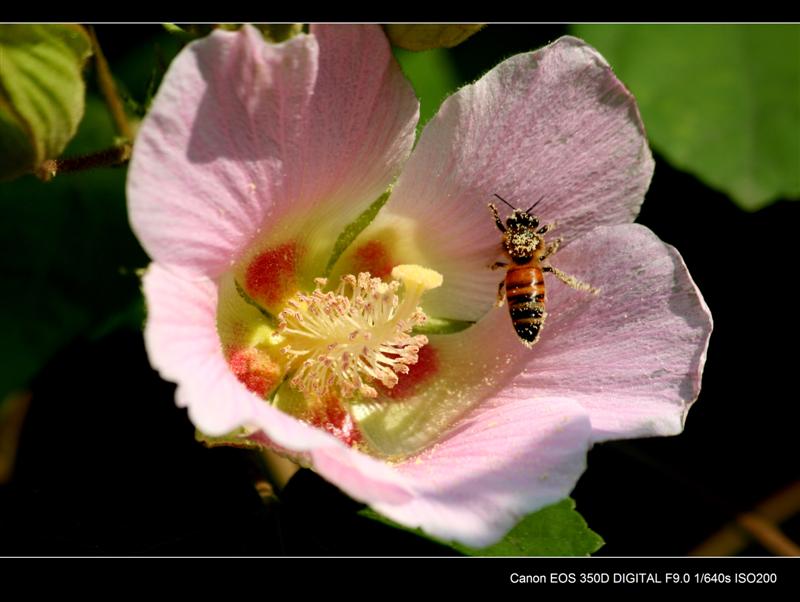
525,295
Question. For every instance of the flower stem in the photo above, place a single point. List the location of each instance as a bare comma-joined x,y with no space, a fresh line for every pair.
110,157
109,89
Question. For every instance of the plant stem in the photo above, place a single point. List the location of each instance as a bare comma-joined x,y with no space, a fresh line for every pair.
761,523
280,469
767,534
110,157
12,416
109,89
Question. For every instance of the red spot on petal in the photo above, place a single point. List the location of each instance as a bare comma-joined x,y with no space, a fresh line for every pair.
270,277
408,384
254,370
373,257
332,417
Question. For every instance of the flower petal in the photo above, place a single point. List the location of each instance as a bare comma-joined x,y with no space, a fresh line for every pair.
554,124
507,458
183,345
510,457
633,355
242,132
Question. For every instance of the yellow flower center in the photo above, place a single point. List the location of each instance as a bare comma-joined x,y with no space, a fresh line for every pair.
339,342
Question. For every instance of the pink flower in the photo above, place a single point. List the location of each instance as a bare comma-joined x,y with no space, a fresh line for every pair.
253,161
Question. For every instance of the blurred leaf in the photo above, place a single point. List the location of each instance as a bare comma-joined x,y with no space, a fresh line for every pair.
433,76
557,530
719,101
179,33
427,37
96,130
17,152
41,93
279,32
67,260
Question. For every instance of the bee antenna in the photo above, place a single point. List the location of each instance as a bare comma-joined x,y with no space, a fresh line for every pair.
505,201
528,210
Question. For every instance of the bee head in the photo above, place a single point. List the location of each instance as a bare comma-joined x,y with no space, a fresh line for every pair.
520,220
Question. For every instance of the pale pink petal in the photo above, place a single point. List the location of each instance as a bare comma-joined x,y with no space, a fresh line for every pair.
633,355
242,133
183,345
554,124
510,457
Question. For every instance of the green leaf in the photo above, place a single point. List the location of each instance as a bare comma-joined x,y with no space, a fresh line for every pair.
234,439
179,33
433,77
268,317
68,261
442,326
429,36
353,229
279,32
41,93
557,530
719,101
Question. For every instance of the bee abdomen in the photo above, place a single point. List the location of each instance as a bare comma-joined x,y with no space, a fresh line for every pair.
525,294
524,283
527,318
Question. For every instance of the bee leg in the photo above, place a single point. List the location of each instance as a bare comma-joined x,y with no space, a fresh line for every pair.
497,265
546,228
497,219
501,293
551,248
570,280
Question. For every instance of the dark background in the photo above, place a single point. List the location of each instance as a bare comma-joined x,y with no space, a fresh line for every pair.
108,465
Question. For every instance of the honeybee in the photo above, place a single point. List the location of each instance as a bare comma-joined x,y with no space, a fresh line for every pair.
524,245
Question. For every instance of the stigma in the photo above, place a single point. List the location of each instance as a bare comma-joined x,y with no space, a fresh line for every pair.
342,342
